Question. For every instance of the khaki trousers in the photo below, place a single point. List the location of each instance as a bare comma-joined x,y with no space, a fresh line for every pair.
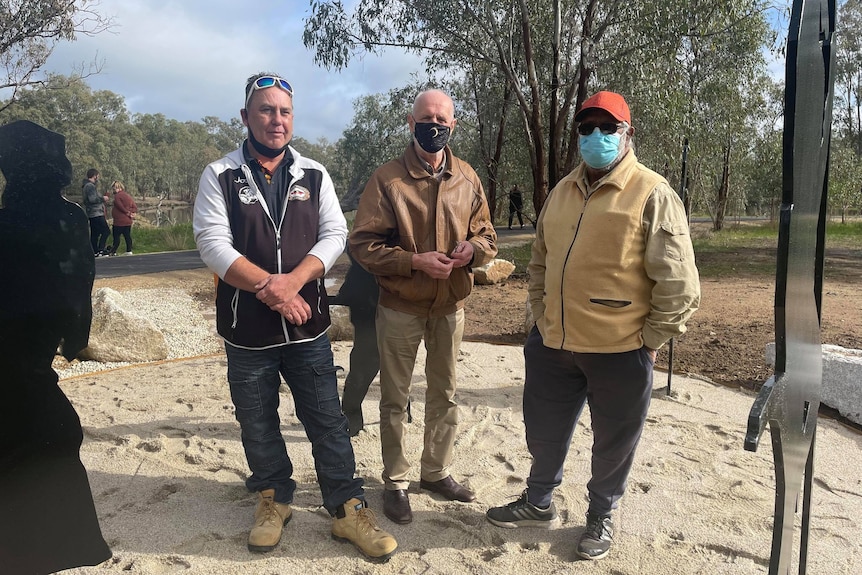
398,338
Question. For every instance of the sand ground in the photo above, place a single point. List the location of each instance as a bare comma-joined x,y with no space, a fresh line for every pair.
163,453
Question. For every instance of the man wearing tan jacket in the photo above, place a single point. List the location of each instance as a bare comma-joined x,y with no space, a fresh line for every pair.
422,222
612,279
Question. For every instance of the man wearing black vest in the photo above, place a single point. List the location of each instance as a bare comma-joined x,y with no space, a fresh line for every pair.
612,279
268,223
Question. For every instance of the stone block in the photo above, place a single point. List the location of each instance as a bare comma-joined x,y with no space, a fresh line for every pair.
842,379
341,328
118,334
493,272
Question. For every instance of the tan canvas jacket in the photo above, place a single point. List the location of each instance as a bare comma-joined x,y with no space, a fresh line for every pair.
612,267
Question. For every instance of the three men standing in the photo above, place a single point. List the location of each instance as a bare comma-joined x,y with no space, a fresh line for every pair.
422,221
268,223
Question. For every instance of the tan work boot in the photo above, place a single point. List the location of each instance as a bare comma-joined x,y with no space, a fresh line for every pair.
355,523
270,517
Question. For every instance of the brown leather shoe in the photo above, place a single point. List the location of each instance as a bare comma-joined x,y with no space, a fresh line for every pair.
396,506
449,488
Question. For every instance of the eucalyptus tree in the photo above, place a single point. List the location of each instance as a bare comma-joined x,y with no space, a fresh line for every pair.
708,86
95,124
848,74
29,31
845,178
455,35
227,136
548,73
377,133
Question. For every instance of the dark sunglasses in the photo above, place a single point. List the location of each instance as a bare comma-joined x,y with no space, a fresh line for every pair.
265,82
605,127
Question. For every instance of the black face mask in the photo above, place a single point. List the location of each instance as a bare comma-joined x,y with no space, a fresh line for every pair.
263,150
431,137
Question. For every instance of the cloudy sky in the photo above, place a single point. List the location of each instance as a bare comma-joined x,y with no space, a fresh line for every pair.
188,59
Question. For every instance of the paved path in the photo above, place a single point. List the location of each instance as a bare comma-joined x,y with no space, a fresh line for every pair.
116,266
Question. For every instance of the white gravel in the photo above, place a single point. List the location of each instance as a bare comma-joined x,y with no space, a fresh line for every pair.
187,324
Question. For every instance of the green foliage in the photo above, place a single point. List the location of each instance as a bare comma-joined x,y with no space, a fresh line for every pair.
689,68
29,30
377,134
164,239
517,254
154,156
845,177
736,250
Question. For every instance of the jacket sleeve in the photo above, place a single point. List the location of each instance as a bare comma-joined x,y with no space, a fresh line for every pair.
91,195
536,267
210,224
373,225
332,227
669,262
482,235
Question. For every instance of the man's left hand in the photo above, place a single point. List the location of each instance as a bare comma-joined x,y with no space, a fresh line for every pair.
462,255
279,292
296,312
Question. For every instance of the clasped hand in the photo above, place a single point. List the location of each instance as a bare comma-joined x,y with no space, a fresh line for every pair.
439,266
281,295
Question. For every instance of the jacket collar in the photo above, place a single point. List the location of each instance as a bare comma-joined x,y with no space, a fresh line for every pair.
416,165
616,178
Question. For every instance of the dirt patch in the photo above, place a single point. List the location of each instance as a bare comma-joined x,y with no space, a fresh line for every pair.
726,337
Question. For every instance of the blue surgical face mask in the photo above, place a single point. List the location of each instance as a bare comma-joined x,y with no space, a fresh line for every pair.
599,150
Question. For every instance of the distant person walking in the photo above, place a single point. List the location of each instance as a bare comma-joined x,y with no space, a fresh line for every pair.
123,213
516,206
94,206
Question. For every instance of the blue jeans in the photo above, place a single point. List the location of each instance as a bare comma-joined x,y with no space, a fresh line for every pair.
309,372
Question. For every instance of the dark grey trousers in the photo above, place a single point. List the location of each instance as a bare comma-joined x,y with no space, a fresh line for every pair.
617,387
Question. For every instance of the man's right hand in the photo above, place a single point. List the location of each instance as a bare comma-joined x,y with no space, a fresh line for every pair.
435,264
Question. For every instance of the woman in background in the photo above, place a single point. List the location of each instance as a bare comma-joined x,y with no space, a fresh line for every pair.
123,213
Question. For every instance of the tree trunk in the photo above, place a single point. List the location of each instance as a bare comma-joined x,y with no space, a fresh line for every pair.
723,190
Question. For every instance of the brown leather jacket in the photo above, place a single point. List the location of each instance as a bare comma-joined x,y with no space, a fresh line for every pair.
404,210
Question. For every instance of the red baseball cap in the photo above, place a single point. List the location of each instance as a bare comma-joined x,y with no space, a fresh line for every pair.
610,102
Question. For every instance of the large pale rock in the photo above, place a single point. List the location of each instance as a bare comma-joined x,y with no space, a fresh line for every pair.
118,334
842,379
341,328
493,272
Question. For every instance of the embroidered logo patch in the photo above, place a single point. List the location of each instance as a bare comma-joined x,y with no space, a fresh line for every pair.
298,193
246,196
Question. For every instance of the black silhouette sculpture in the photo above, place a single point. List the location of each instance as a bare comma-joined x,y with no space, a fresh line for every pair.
789,401
47,518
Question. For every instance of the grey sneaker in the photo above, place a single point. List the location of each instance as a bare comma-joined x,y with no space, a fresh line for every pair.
596,541
522,513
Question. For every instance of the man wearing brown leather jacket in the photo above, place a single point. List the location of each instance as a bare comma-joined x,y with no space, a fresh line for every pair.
422,222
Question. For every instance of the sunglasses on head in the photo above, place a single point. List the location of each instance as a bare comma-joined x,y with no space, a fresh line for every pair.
605,127
265,82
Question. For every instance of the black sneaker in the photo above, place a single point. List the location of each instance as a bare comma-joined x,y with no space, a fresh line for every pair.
522,513
596,541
